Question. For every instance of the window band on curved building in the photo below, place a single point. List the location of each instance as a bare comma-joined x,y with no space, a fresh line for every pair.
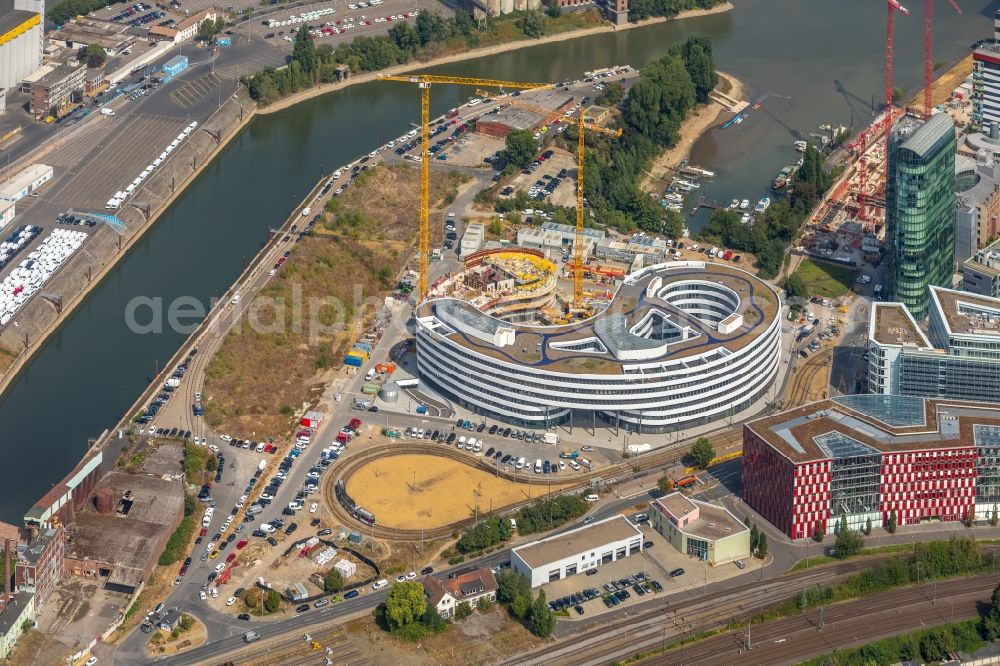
679,344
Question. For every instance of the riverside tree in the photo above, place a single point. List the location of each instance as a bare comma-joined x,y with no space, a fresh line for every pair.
533,23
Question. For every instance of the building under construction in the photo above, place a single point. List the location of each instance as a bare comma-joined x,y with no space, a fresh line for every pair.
506,117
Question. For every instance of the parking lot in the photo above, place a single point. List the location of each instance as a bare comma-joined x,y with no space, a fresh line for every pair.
343,24
504,447
639,578
552,179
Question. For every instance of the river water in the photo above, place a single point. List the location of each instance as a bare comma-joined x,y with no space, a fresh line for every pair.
824,57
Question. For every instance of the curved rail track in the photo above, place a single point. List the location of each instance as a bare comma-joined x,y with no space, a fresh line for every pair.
723,441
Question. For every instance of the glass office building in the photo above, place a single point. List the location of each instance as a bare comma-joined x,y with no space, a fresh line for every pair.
920,209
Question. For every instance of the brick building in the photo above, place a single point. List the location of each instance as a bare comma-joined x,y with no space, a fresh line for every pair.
57,89
39,564
866,457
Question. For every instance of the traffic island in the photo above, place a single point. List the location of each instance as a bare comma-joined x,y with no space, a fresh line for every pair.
186,633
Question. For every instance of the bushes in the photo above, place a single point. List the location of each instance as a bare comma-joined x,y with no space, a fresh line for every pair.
547,514
406,613
928,645
196,461
463,610
488,533
178,542
514,592
333,582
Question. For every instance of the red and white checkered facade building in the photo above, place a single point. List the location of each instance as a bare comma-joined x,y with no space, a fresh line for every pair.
925,472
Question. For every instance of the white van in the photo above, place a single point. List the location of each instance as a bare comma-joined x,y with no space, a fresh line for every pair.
107,112
370,375
513,525
260,447
251,636
379,584
521,462
538,467
591,498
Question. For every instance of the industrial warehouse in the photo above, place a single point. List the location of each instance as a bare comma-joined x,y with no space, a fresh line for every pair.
678,345
873,457
576,551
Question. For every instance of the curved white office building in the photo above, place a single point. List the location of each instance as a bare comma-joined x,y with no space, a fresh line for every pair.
680,344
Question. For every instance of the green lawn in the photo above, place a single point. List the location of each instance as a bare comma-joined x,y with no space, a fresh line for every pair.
825,280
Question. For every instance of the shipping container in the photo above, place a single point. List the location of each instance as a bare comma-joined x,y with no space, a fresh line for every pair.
363,345
354,361
371,388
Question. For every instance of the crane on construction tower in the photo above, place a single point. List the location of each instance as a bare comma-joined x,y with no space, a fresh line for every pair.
424,82
548,116
890,32
929,51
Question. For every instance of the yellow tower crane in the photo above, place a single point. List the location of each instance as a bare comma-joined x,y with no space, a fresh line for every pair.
548,115
424,82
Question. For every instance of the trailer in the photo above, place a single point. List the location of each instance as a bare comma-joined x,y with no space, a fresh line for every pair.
311,419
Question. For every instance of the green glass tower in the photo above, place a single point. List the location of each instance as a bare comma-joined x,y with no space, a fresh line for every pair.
920,209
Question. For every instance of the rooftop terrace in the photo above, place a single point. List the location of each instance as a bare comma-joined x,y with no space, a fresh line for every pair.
653,300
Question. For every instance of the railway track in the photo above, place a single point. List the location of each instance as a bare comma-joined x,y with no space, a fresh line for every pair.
669,621
861,620
800,390
658,625
297,651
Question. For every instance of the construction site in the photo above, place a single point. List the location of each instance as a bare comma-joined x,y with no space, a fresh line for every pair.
849,225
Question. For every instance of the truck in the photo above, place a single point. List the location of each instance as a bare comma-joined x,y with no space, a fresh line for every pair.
639,448
361,404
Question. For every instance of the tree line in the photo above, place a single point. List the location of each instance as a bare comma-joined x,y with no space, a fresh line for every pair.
639,10
431,34
542,515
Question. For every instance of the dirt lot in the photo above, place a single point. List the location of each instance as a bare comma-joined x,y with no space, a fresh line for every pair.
265,372
34,647
478,639
445,492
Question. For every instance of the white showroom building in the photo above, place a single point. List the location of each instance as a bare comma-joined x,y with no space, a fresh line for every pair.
576,551
679,345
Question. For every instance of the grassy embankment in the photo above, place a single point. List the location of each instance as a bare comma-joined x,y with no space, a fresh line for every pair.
825,280
264,374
